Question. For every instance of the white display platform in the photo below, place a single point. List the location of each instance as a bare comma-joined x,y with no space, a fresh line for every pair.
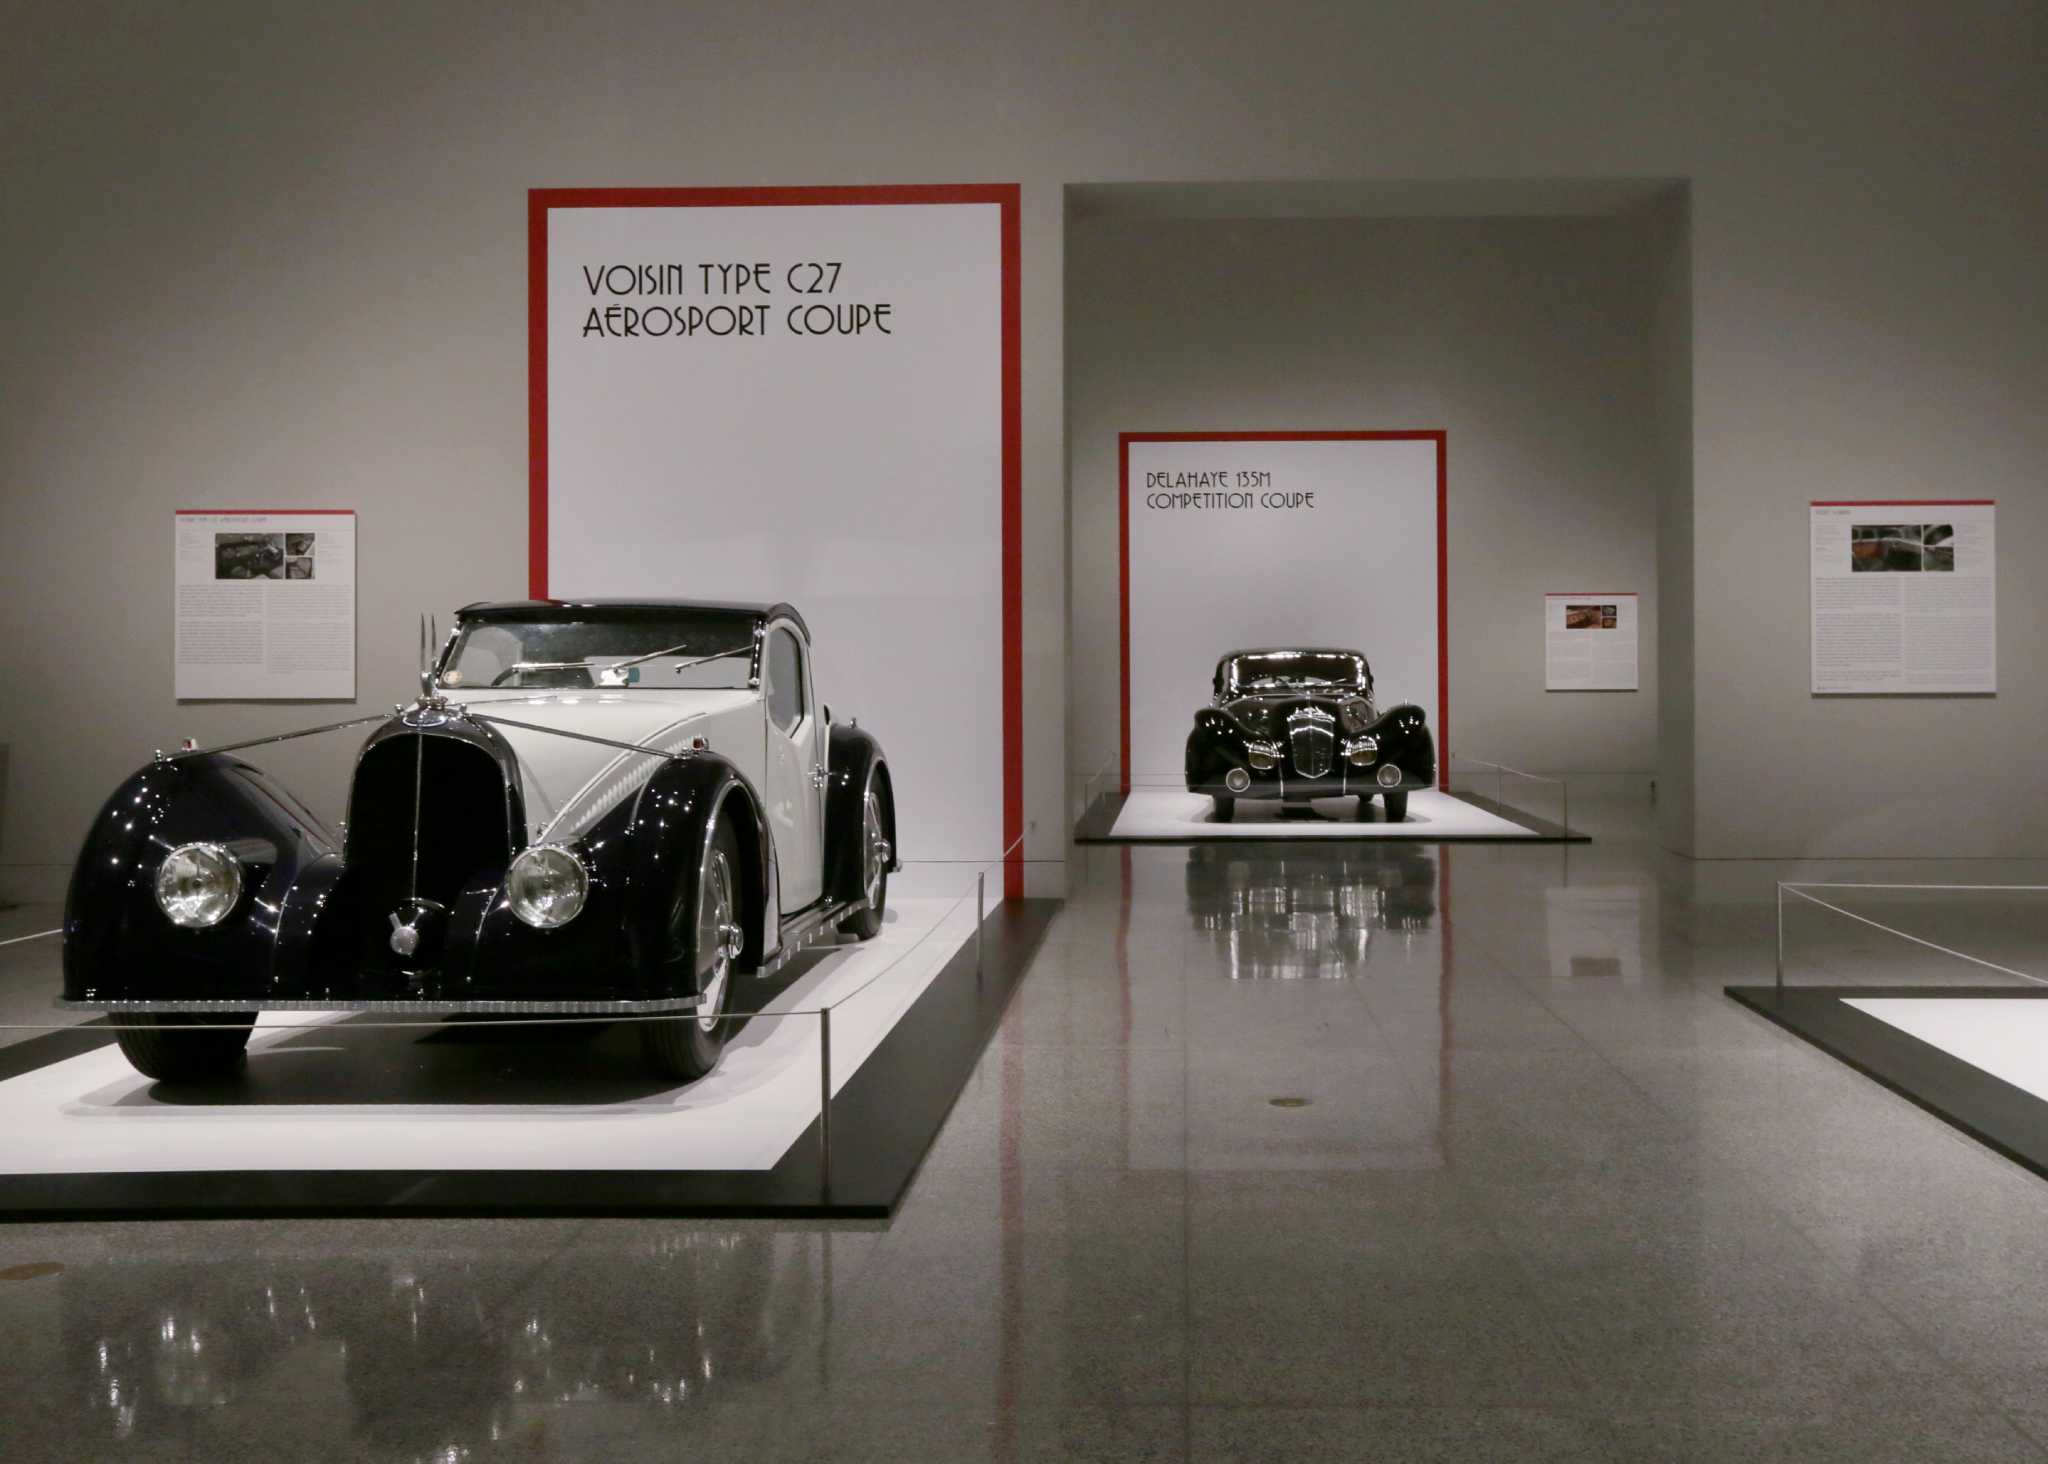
2005,1038
1174,815
95,1114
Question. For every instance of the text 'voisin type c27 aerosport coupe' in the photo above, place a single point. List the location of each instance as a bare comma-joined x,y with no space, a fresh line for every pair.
599,807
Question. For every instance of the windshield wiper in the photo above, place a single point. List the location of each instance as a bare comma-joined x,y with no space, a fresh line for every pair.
618,668
615,674
745,650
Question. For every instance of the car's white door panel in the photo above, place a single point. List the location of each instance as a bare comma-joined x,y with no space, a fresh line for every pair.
794,757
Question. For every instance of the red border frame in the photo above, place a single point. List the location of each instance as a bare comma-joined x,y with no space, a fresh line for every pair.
1006,197
1901,502
1443,564
262,512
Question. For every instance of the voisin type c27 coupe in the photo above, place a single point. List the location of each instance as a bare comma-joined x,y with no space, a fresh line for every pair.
1297,725
599,807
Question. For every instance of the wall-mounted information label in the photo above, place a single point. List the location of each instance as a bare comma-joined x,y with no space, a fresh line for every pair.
1904,596
266,604
1590,641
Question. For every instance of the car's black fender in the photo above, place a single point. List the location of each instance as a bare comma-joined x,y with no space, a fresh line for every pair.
667,846
1405,741
1215,746
119,945
855,759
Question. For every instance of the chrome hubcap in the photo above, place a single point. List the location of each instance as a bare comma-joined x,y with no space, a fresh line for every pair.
877,849
718,939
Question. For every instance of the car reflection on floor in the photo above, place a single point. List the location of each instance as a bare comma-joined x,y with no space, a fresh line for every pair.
435,1359
1308,911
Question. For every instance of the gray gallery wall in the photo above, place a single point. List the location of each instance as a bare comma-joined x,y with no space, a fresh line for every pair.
256,252
1527,340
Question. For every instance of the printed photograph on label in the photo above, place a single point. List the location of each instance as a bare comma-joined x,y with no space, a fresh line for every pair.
1889,548
248,556
1938,548
298,543
1589,617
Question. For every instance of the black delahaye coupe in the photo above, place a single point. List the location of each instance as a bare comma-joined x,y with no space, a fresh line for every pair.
599,807
1297,725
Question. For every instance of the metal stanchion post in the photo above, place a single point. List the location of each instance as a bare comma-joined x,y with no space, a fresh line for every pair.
980,915
824,1101
1498,803
1564,792
1781,941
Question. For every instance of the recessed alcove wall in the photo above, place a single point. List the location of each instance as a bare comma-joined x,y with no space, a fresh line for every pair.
1526,321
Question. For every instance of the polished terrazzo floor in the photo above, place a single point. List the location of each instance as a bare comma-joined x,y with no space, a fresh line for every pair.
1282,1152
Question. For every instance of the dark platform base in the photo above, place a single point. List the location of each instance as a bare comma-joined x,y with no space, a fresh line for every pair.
883,1120
1990,1110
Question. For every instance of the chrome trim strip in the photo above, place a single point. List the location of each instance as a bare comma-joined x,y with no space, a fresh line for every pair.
265,1004
617,780
279,737
476,716
419,775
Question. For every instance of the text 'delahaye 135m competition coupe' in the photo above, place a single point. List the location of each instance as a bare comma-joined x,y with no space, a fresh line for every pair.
1297,725
605,807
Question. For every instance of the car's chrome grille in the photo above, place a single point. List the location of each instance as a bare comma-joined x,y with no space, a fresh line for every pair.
1313,748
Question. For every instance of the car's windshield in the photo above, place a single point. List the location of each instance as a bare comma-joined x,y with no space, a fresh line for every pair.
685,650
1279,670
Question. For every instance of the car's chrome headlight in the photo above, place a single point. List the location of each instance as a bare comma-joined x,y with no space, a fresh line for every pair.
1363,751
197,884
1261,758
547,886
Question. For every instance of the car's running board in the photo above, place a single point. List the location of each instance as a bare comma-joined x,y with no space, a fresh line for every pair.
415,1006
804,927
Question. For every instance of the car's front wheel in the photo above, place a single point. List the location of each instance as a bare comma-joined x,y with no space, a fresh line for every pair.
1225,807
1397,805
865,923
706,934
184,1047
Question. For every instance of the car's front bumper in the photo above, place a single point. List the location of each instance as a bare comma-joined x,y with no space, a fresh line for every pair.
1277,784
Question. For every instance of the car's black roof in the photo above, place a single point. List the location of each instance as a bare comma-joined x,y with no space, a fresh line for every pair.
629,610
1293,651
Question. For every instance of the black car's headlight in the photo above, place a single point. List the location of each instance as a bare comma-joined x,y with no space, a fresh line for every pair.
1260,757
197,884
1362,752
546,886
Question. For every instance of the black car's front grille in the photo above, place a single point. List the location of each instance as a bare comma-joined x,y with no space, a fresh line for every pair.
462,821
1313,748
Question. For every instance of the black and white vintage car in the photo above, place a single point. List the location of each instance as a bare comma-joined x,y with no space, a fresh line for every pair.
599,807
1297,725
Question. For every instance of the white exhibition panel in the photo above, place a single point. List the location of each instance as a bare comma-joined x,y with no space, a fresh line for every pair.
2005,1038
1172,815
1591,640
1904,597
265,606
857,476
94,1114
1240,544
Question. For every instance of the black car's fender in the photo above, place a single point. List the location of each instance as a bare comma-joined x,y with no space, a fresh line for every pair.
118,943
668,844
1405,741
856,761
1216,745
